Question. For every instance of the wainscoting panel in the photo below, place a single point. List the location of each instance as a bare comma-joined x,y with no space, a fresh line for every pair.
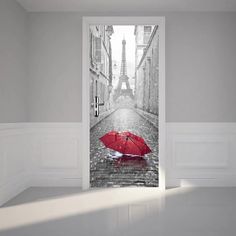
49,154
56,154
13,153
59,153
39,154
201,154
194,151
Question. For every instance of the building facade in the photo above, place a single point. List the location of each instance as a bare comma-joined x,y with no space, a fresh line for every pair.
147,69
142,35
100,69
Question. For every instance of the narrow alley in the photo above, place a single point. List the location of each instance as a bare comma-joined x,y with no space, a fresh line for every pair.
108,171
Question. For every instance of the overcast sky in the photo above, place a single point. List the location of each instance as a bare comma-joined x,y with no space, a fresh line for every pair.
127,32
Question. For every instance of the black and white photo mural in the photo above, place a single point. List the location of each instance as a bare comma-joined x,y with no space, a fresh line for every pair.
124,80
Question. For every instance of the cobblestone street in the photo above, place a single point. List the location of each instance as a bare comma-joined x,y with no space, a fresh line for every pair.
106,171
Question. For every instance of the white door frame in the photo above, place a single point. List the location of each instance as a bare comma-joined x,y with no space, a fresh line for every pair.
87,21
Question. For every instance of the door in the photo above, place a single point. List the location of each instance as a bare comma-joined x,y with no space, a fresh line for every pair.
124,105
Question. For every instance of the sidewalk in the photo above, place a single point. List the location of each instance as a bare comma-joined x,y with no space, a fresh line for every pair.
96,120
153,119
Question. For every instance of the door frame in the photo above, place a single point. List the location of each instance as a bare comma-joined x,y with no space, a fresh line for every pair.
85,142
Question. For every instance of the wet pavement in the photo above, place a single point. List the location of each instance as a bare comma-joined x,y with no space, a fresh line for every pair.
107,171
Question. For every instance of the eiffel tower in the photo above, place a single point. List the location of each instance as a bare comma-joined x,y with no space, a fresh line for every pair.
119,91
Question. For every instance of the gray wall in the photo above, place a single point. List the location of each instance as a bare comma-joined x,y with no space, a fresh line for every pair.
200,67
55,68
13,62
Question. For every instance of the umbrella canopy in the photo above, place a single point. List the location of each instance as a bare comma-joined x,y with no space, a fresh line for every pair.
125,143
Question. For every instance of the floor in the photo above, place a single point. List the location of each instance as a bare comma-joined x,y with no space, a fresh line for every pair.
107,171
120,211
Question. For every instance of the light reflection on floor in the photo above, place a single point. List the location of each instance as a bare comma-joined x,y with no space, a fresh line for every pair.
121,211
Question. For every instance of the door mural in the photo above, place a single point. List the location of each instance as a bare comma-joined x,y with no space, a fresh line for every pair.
124,78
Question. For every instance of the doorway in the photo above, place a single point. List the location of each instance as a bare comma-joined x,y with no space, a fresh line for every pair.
123,102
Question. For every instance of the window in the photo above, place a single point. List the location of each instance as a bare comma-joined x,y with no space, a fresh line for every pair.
98,53
146,33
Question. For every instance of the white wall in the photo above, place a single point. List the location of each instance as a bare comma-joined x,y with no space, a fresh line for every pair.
33,154
201,154
50,154
13,62
54,154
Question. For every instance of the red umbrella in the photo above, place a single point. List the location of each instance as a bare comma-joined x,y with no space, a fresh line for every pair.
125,143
